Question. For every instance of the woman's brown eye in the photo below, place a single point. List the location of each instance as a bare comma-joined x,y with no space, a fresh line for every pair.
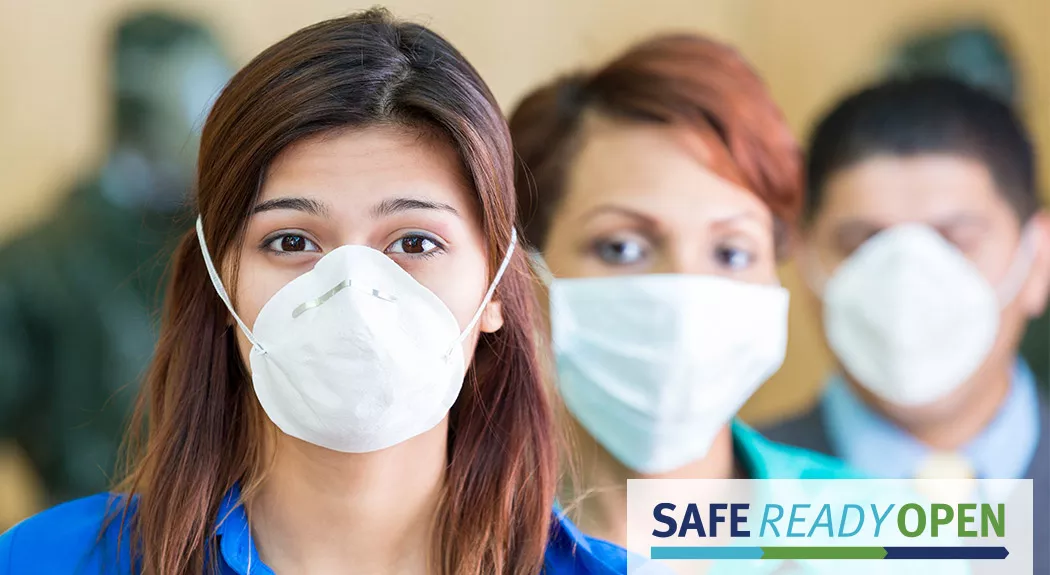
733,258
413,245
620,252
293,243
287,243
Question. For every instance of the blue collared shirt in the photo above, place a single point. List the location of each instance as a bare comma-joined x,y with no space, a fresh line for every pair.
1003,450
69,539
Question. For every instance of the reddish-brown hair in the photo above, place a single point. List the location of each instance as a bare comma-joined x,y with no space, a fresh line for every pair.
683,80
204,422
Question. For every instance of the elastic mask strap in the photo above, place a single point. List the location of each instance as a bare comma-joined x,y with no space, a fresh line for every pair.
488,295
216,281
1011,285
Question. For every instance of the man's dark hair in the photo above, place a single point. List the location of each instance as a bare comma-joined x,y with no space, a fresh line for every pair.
925,115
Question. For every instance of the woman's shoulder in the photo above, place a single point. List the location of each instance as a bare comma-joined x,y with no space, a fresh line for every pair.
69,538
616,560
570,551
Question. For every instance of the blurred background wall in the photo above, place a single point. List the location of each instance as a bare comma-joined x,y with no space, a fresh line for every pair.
54,113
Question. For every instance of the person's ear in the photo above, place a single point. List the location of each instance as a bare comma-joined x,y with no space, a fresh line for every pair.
1036,289
492,318
811,270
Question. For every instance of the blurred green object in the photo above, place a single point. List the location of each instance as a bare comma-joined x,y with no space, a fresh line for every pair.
79,294
975,54
1036,347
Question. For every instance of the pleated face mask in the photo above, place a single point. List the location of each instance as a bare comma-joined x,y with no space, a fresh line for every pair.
355,355
653,366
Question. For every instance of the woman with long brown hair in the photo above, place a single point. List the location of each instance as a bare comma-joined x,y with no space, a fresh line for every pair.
661,190
346,379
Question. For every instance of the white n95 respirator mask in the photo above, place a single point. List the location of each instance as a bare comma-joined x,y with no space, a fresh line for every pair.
653,366
910,318
355,355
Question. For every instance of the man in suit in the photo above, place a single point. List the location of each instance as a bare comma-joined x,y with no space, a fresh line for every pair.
925,243
978,55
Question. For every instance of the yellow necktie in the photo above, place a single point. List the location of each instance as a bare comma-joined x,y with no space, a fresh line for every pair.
947,477
945,465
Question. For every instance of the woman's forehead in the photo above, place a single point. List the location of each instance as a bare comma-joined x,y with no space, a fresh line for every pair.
651,167
358,169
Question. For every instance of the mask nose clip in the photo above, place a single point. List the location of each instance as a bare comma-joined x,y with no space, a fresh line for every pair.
345,284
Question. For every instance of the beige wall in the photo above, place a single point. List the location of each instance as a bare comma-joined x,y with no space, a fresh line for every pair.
52,73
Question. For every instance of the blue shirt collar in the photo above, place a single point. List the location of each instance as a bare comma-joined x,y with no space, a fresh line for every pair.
568,549
235,538
749,449
862,437
762,458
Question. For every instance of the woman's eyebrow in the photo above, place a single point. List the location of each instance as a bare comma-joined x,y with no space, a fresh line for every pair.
961,220
299,204
392,206
742,215
643,219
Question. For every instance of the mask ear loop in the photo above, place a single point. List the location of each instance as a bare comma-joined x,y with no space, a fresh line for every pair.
488,295
1021,264
216,282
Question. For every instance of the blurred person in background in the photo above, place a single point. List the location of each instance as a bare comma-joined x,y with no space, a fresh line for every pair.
924,240
78,293
980,56
346,373
660,191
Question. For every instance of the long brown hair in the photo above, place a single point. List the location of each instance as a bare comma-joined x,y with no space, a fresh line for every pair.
204,422
684,80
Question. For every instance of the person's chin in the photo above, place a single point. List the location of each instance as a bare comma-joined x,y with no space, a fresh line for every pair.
935,412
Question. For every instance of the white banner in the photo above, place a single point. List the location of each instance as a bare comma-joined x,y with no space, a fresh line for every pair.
928,527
